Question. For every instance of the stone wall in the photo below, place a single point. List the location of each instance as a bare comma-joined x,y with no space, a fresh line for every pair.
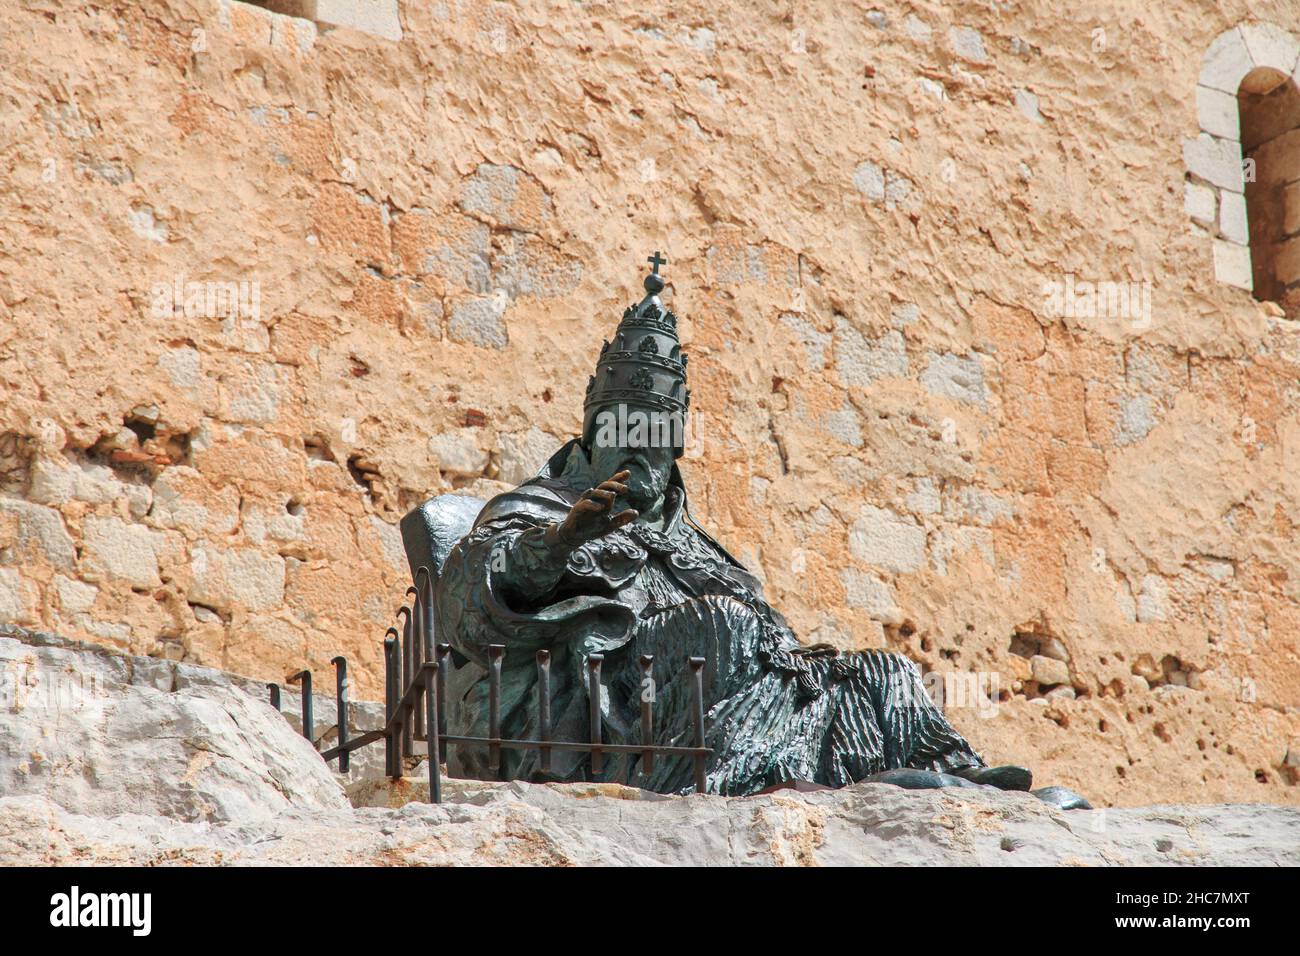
966,383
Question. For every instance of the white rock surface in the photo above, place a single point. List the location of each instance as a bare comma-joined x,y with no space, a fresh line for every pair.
523,824
112,759
103,734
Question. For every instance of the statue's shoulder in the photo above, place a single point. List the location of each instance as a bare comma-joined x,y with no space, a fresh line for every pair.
540,498
546,497
711,543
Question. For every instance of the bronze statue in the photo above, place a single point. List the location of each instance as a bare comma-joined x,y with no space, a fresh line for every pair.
599,554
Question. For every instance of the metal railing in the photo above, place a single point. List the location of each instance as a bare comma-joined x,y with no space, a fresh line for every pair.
415,692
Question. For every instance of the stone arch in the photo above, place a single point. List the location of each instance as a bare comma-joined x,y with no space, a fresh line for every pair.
1248,106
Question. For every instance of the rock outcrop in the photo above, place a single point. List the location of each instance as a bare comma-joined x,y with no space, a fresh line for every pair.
111,759
104,734
554,825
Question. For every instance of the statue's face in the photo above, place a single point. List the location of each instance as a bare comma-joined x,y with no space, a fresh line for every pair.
649,463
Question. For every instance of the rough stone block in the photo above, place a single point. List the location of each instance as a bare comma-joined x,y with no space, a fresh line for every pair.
1201,203
1232,264
869,179
1136,419
128,744
1226,62
40,533
185,501
377,17
113,633
932,88
843,424
1218,113
182,365
531,267
872,595
18,597
900,191
390,543
75,597
249,579
968,44
1027,103
916,28
924,499
1232,219
979,506
97,485
1048,670
457,452
254,396
118,549
479,321
1153,599
52,482
1216,160
957,377
953,541
904,315
859,361
1270,45
56,481
1054,648
523,453
814,339
508,196
304,35
887,540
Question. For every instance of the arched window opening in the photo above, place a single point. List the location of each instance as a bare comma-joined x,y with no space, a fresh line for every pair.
1243,164
1269,106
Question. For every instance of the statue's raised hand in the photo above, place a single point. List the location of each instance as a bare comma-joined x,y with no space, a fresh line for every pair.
592,514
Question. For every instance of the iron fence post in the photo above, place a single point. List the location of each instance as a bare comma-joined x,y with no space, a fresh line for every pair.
404,716
544,708
416,653
427,606
308,724
697,695
431,722
391,756
444,661
426,649
593,693
341,706
495,653
648,691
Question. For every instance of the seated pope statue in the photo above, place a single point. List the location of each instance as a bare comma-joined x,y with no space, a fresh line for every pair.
598,554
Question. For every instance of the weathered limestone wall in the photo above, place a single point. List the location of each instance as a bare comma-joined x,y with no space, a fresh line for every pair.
864,211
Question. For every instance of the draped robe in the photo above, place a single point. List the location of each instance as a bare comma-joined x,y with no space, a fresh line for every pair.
773,714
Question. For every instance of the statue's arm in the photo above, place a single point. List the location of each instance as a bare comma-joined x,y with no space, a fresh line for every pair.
526,567
500,586
500,583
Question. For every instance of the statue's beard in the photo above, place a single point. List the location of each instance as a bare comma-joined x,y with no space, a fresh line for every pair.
645,484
